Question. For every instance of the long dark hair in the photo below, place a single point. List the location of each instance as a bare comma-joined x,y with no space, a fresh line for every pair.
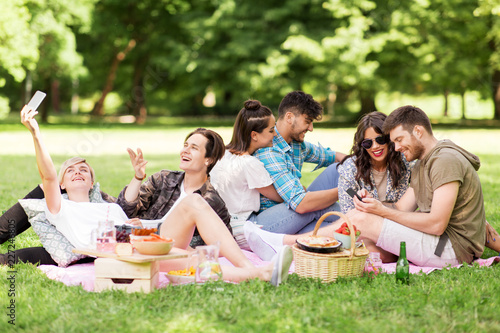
395,164
253,117
214,149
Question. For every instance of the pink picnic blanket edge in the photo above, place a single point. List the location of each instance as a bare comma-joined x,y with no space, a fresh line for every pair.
83,274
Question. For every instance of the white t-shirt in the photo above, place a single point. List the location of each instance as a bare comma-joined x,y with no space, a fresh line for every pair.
236,178
76,220
181,196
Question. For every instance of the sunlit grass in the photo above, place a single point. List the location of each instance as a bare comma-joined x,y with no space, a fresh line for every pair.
458,300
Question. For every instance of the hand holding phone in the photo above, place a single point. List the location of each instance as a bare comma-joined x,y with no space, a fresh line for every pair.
37,99
353,193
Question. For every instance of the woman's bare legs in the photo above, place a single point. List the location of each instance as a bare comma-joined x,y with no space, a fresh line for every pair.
193,211
229,273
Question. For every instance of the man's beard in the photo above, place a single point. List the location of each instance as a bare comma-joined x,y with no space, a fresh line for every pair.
296,136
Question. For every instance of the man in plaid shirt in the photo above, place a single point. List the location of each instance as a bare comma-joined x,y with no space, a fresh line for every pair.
301,208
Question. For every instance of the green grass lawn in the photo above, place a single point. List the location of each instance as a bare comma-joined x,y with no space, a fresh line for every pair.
456,300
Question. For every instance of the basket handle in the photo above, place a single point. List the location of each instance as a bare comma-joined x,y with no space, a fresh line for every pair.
349,225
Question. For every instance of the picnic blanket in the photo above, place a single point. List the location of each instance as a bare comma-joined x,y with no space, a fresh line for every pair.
390,268
83,274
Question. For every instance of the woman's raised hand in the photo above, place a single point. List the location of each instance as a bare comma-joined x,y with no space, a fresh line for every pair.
138,163
28,119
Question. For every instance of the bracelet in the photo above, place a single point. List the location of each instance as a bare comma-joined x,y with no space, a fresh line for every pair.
140,179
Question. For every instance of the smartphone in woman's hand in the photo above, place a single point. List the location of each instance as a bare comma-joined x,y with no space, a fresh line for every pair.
353,193
37,99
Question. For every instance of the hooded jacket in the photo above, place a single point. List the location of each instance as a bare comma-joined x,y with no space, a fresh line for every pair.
446,163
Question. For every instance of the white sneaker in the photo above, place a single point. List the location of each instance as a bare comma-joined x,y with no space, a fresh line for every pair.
282,263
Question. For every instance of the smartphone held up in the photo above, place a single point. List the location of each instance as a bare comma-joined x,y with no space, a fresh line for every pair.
37,99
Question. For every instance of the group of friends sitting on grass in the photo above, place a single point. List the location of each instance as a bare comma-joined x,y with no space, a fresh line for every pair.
248,194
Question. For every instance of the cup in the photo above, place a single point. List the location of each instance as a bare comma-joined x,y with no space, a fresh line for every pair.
208,268
93,239
106,236
374,263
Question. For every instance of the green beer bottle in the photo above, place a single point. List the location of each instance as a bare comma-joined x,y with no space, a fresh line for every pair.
402,266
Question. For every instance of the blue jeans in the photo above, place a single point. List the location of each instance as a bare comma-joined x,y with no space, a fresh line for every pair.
281,219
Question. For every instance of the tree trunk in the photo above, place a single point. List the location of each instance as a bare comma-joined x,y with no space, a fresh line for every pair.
463,105
44,107
445,111
108,87
27,88
55,99
367,99
495,86
331,99
195,105
74,96
137,104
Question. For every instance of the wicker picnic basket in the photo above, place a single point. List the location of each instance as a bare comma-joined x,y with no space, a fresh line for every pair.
329,266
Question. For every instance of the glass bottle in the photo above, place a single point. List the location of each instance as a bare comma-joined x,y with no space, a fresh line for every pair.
402,266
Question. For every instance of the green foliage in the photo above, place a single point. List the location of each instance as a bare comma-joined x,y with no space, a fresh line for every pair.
18,40
4,107
342,52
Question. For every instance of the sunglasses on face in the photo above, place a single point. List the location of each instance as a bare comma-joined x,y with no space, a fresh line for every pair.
368,143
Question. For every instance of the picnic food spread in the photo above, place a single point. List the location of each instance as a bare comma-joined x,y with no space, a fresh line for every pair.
191,272
143,231
153,244
318,241
344,230
321,244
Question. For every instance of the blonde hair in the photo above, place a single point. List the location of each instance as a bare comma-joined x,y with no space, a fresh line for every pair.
72,161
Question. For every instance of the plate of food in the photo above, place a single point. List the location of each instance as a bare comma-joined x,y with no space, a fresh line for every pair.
319,244
181,277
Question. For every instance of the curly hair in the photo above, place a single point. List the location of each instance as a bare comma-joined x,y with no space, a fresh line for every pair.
395,164
298,102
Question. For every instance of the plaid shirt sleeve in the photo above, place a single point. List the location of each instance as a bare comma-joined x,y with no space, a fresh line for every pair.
317,154
286,183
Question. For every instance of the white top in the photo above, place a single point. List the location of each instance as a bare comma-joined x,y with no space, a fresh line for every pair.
76,220
181,196
237,178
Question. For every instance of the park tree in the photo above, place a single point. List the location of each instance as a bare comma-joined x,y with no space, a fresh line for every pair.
18,46
450,49
139,44
489,12
55,22
355,49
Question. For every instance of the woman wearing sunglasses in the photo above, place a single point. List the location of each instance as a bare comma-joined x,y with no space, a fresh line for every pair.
373,165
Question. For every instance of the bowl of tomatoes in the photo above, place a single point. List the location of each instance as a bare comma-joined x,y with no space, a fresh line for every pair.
343,235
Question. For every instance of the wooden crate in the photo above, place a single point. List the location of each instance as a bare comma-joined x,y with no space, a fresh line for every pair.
129,276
